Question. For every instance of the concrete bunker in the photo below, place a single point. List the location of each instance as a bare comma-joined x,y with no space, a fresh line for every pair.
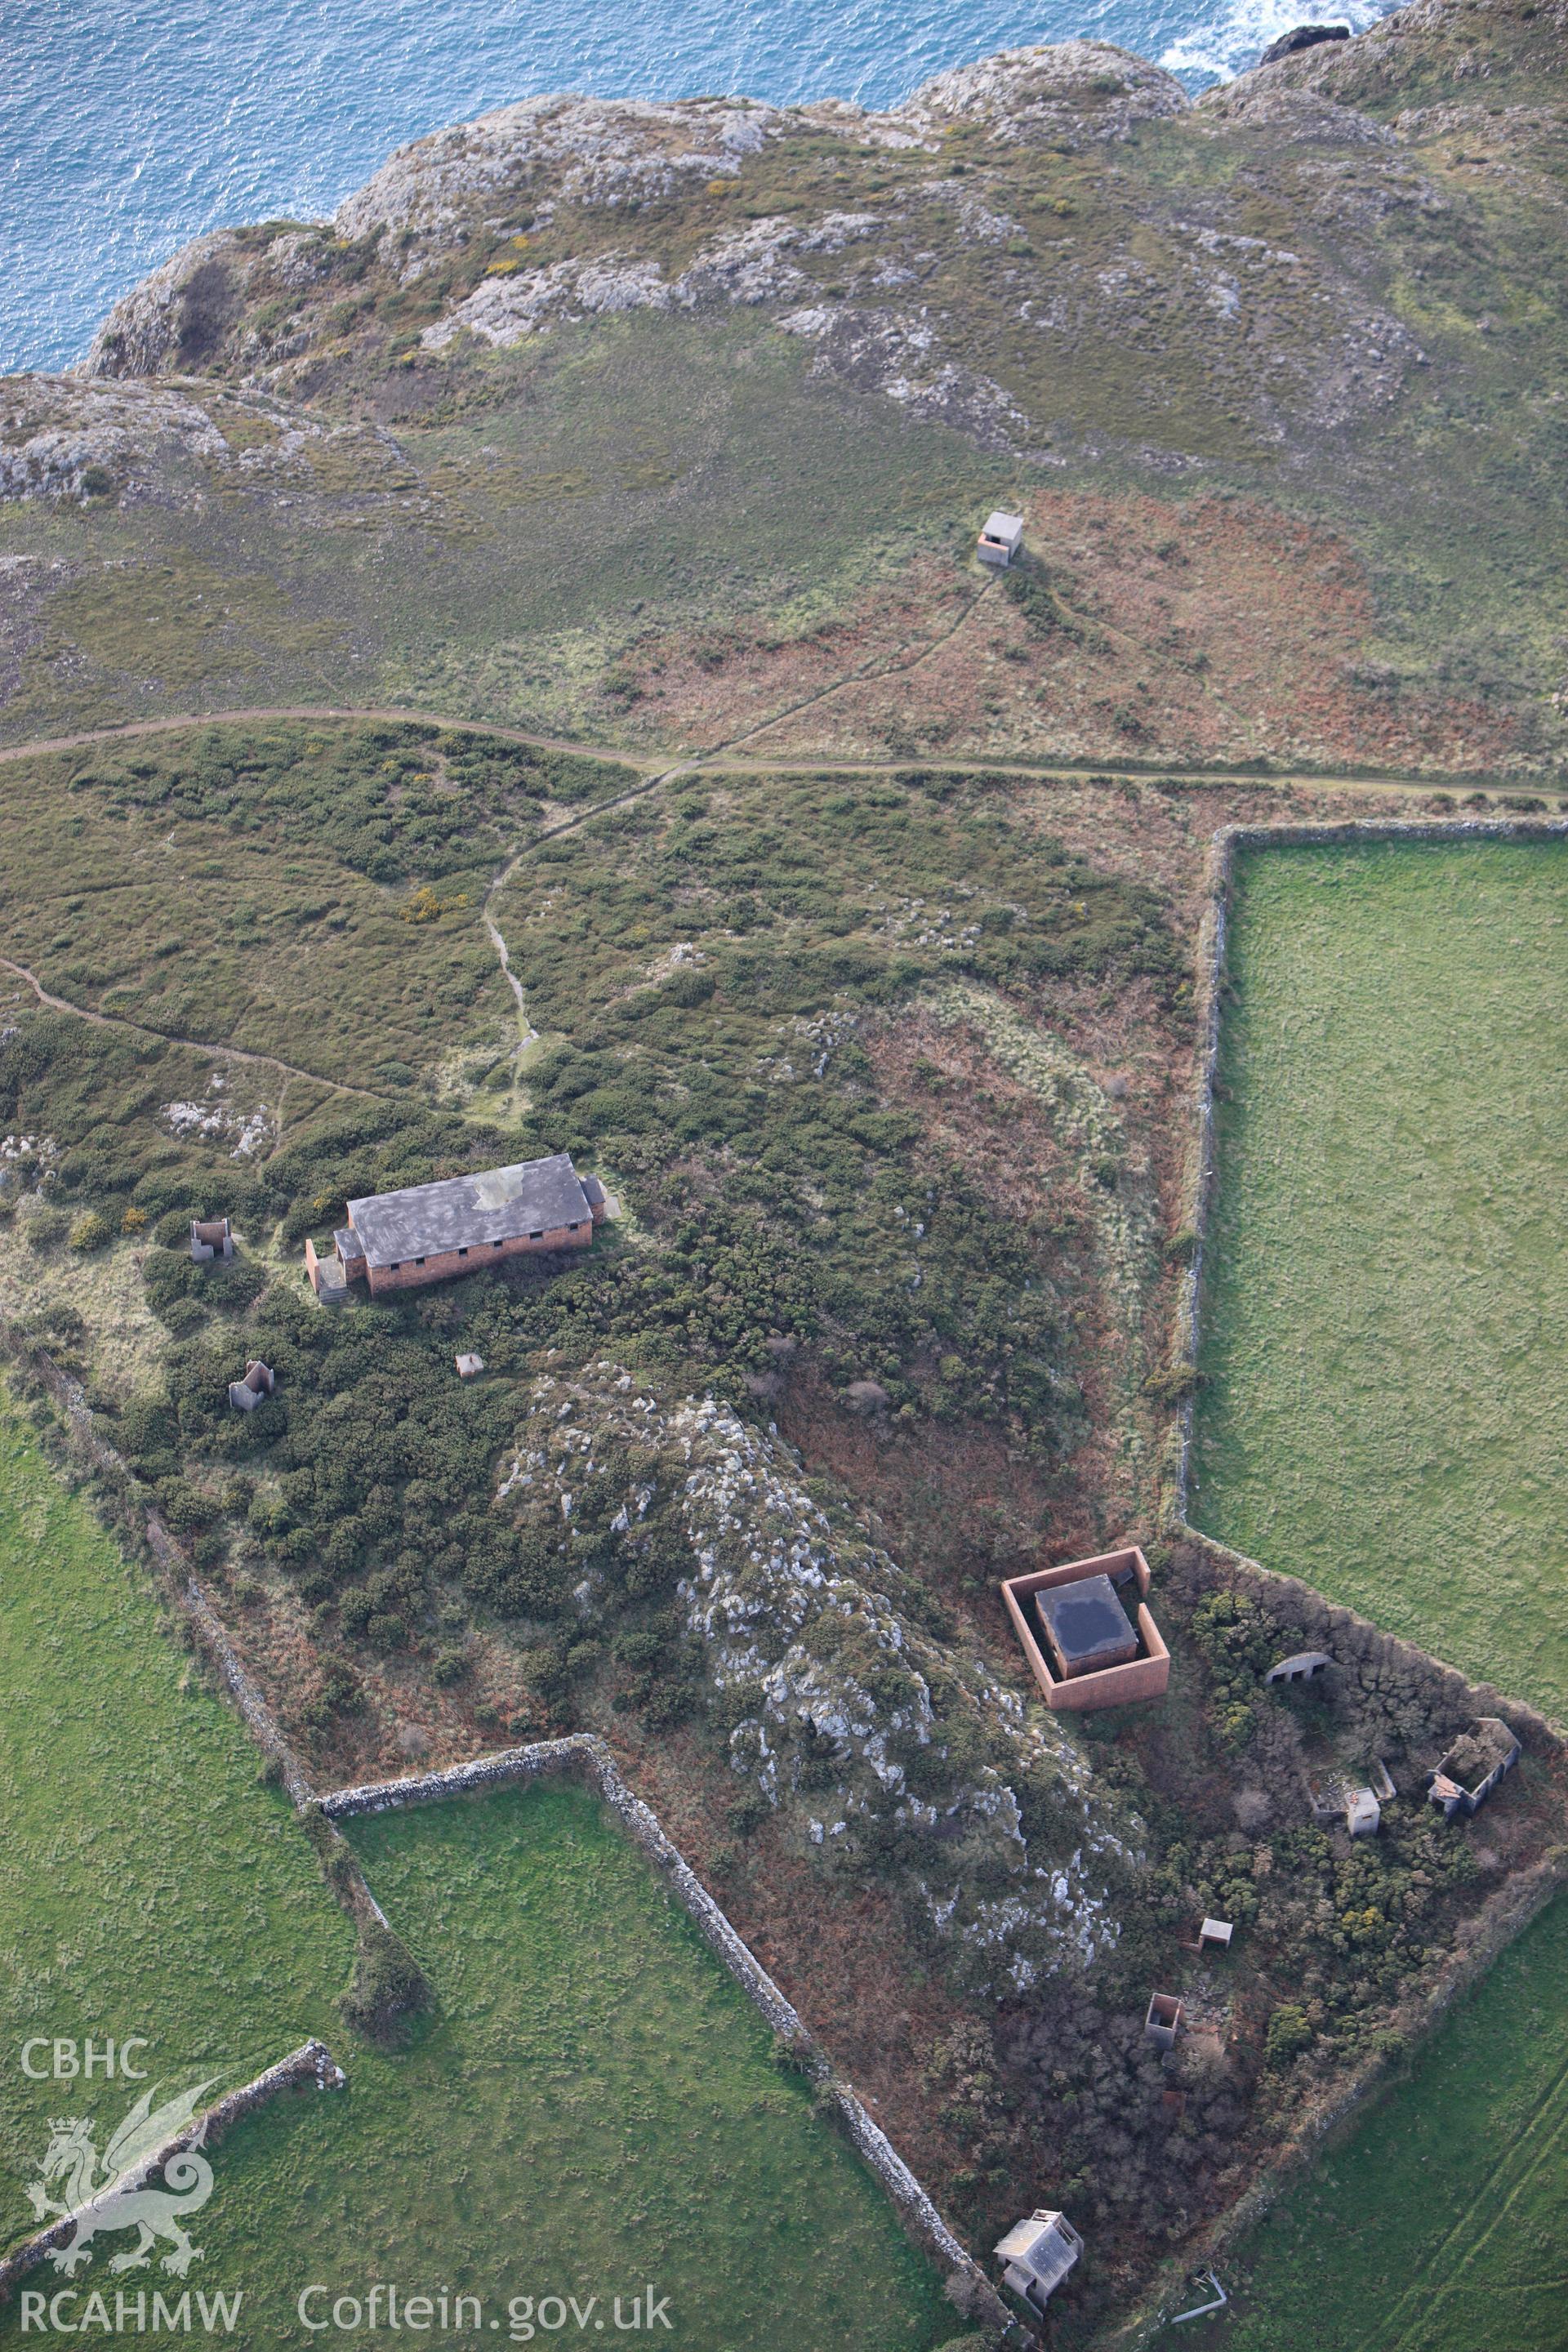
1001,540
1164,2021
1304,1667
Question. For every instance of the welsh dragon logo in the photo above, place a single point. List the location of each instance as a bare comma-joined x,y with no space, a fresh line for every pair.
113,2194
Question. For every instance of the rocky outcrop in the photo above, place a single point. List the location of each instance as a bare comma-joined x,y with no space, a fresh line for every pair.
146,333
1303,37
747,264
1072,90
947,278
860,1728
61,439
577,150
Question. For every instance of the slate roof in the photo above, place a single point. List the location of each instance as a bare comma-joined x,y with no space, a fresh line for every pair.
498,1204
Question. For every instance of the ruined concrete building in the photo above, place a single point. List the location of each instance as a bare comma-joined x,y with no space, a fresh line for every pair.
210,1238
427,1232
246,1394
1473,1766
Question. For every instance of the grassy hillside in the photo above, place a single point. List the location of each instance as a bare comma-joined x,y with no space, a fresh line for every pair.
1385,1408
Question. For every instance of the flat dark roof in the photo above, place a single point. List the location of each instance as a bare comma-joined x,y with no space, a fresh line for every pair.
1085,1620
498,1204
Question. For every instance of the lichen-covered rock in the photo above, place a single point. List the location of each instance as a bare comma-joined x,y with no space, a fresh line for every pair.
882,351
579,150
745,266
866,1729
1072,89
62,438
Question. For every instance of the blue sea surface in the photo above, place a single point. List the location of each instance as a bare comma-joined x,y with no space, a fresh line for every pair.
127,126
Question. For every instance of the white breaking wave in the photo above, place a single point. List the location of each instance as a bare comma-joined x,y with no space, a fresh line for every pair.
1233,39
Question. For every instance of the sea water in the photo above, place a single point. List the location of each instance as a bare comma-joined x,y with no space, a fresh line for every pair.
127,126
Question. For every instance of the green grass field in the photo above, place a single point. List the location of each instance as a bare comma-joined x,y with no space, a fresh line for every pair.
1385,1417
1386,1408
592,2107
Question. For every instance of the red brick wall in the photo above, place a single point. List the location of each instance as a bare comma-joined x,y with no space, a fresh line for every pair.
1141,1678
441,1265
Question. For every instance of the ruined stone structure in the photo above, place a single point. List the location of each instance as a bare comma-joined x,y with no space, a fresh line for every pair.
1473,1766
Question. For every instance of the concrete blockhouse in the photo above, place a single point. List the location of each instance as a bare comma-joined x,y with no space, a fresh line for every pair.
427,1232
210,1238
1036,2255
1164,2021
1002,539
1304,1667
1363,1814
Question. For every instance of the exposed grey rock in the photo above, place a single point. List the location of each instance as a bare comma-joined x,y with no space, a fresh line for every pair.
804,1622
589,151
747,264
1070,90
887,351
56,431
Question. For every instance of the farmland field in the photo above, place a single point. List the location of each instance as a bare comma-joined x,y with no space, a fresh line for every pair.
150,1885
1385,1411
1384,1416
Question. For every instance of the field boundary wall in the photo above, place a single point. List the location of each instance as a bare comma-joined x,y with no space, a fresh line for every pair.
587,1759
312,2063
581,1755
1509,1910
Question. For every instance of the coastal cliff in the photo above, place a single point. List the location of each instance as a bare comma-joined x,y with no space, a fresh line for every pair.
1331,293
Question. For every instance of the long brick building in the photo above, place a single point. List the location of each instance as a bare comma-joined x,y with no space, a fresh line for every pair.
427,1232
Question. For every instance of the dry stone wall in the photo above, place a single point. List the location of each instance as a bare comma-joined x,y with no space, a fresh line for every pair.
589,1759
311,2064
1382,1659
581,1755
181,1585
